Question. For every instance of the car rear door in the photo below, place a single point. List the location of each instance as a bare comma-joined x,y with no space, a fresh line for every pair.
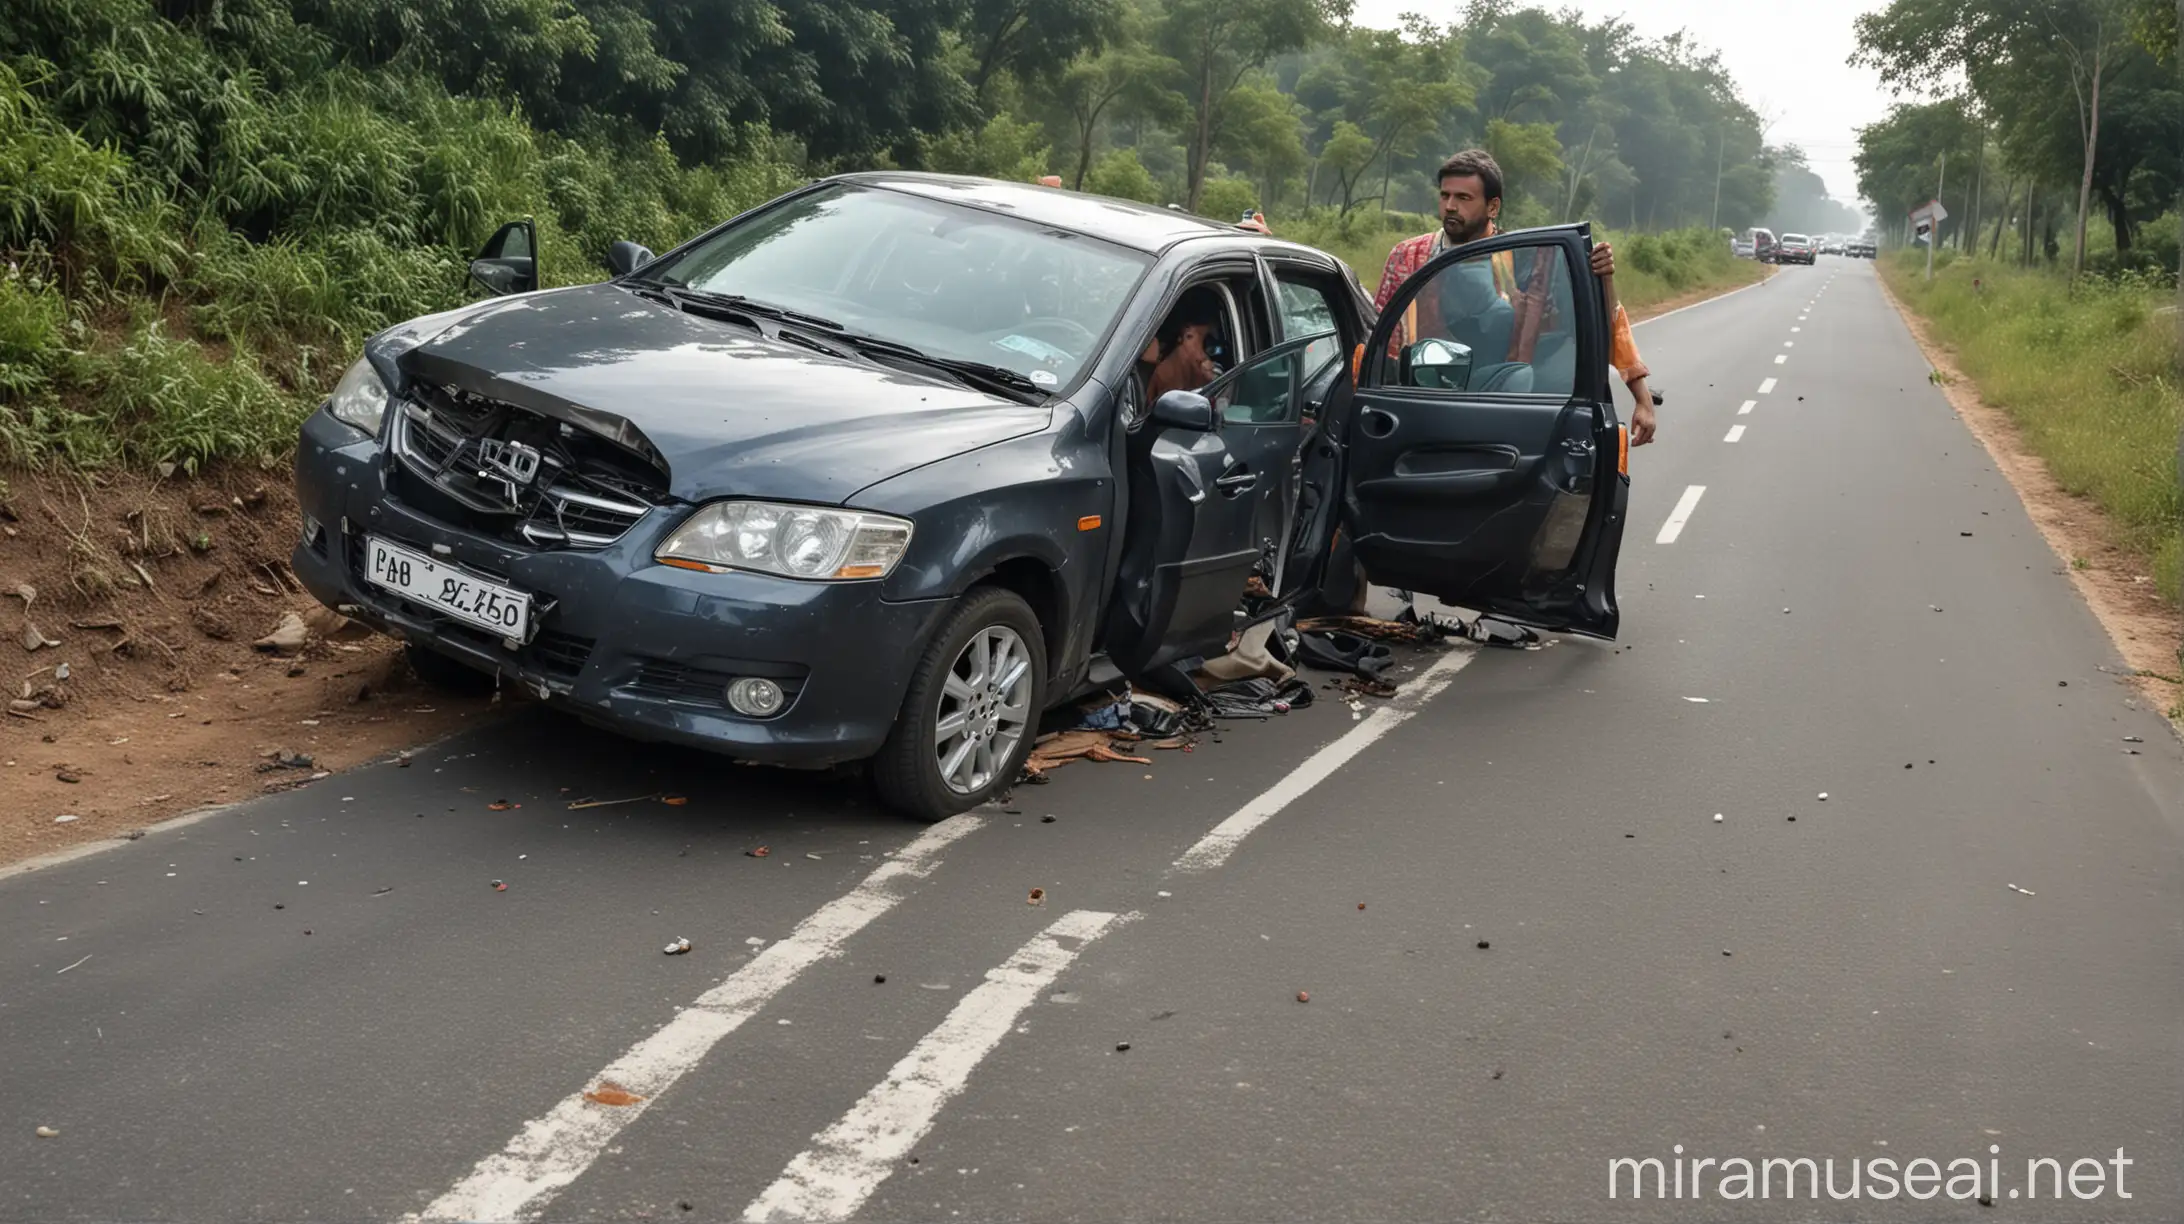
1481,457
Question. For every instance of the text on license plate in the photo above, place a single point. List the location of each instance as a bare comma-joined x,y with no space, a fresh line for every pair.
442,587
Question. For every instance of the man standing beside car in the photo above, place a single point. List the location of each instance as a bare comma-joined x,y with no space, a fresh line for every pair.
1471,200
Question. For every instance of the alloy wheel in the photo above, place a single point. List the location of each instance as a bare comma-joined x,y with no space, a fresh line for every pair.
985,708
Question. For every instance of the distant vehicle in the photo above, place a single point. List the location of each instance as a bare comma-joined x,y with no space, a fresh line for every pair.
1742,248
1833,246
1795,248
1762,242
1860,250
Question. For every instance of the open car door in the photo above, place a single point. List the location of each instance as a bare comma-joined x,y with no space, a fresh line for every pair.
1200,469
1482,461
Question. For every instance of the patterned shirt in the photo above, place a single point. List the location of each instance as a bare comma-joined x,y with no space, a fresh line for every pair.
1422,317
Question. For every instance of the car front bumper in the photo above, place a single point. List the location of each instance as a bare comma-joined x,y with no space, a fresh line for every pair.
619,640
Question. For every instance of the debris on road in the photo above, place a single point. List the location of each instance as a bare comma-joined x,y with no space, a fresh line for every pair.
47,1132
1304,996
676,947
498,886
1060,748
501,805
592,803
675,800
610,1093
1037,897
758,852
1699,700
1483,945
1823,796
2028,892
288,637
64,818
879,979
1122,1047
1717,818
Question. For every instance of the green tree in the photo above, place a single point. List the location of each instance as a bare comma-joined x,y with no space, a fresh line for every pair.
1216,44
2004,48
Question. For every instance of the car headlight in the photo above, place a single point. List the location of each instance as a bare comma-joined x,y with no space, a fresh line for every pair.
360,399
789,541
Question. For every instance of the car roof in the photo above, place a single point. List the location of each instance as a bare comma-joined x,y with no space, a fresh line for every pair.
1138,226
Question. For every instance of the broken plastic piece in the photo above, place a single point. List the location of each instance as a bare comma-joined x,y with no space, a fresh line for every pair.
47,1132
610,1093
759,851
677,947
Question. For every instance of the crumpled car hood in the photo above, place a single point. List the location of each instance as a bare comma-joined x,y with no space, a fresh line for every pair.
725,411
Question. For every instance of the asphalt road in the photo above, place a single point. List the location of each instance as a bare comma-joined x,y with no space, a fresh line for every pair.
1530,945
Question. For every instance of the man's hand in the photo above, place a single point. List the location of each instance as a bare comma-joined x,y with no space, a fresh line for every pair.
1603,260
1641,413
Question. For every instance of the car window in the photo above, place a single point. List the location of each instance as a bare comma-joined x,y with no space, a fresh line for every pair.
1267,390
1502,323
1308,306
953,281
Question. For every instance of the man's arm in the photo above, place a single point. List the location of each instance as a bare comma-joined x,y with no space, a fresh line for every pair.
1623,350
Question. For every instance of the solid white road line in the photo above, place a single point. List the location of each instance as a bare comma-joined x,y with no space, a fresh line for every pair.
1696,305
1780,358
1680,515
553,1150
1748,406
1767,388
1214,848
847,1161
1735,432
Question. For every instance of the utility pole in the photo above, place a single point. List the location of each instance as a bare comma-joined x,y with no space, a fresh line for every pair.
1721,144
1933,228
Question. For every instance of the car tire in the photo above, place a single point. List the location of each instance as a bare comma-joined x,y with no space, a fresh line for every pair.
952,683
437,671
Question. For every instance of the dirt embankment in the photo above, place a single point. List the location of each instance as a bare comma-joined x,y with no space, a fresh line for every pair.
132,611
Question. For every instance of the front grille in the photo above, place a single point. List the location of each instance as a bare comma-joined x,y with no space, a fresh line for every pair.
517,475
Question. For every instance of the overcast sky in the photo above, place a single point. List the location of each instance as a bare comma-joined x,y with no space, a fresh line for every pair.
1789,61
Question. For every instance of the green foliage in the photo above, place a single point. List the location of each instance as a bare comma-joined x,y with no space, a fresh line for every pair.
1226,199
1004,148
2088,373
1118,173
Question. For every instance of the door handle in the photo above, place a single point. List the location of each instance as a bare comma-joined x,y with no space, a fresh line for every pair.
1377,422
1238,480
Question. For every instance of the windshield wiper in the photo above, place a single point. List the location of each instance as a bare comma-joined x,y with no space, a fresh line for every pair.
975,372
736,301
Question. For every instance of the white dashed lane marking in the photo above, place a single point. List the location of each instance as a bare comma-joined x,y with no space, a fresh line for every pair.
1780,358
1767,388
1680,515
553,1150
1746,410
1735,432
847,1161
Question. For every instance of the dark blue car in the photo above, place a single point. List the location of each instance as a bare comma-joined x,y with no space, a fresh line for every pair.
870,472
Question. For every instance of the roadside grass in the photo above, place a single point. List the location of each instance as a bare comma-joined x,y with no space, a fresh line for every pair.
1650,269
2088,374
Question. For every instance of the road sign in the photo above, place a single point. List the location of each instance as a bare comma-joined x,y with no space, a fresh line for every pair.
1930,211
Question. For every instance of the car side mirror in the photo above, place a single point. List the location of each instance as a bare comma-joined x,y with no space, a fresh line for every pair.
1184,410
508,263
1441,365
625,257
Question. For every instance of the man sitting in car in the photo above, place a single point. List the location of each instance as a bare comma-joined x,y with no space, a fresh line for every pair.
1179,356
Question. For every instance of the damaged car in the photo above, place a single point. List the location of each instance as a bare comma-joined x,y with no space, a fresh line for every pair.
872,473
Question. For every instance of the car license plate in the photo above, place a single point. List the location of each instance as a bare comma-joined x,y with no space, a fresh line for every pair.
443,588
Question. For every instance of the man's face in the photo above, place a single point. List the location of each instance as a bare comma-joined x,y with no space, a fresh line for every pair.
1192,346
1465,210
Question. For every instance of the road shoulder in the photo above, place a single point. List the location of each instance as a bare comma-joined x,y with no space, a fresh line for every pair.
2145,631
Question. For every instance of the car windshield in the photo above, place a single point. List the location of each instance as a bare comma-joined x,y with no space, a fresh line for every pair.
956,283
1795,239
